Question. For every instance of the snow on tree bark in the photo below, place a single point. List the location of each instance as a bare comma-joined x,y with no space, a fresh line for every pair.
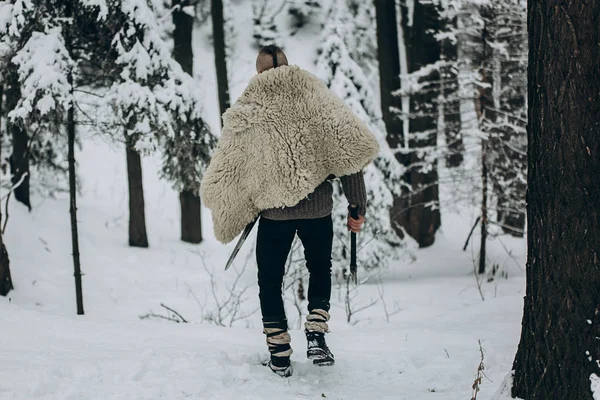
559,351
389,82
19,159
6,284
423,53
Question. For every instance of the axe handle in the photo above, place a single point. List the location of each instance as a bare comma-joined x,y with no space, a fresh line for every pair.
354,215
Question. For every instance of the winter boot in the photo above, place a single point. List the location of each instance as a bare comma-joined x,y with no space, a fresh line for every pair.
317,349
315,329
278,341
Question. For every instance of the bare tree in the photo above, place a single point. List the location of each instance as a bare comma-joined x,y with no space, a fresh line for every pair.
559,352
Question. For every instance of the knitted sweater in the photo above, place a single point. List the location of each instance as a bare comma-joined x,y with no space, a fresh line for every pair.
319,203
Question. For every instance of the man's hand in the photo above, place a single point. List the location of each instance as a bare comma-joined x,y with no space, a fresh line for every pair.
354,225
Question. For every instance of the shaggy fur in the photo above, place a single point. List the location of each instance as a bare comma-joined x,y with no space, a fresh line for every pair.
281,139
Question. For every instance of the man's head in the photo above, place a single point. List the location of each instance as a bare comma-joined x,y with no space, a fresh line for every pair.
269,57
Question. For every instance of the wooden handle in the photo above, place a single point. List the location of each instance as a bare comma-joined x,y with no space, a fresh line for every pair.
354,215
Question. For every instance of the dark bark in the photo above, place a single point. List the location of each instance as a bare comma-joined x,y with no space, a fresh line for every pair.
484,208
6,284
423,49
68,36
220,55
138,236
559,348
19,159
191,221
388,55
182,37
73,203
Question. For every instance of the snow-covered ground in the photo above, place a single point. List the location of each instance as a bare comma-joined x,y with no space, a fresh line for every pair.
426,348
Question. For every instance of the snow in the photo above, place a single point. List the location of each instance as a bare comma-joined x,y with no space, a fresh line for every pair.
418,341
595,385
43,66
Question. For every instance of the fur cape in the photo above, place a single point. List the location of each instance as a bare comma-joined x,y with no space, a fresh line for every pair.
281,139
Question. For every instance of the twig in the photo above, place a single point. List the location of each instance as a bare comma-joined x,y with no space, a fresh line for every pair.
174,312
477,280
6,214
153,315
479,375
16,185
471,233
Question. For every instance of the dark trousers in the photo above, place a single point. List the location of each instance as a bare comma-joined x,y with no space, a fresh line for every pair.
273,245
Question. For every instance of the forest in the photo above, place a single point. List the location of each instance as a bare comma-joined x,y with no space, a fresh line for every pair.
478,264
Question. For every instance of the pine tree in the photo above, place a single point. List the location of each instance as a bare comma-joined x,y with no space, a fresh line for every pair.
301,11
265,29
145,95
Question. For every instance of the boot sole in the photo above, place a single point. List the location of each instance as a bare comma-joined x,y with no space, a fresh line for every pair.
320,358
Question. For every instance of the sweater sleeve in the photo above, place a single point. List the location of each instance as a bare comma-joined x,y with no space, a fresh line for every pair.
355,191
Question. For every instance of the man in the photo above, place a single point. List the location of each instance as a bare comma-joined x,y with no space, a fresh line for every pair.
283,140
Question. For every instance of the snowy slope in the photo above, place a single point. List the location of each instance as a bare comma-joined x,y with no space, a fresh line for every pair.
428,350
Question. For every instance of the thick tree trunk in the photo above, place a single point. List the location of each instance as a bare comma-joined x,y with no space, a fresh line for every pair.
6,284
220,55
73,203
388,55
423,49
191,219
19,159
559,352
138,236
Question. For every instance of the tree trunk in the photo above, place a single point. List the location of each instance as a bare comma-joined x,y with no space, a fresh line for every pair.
486,114
191,219
423,49
137,215
484,207
220,55
388,55
73,202
559,351
19,159
6,284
